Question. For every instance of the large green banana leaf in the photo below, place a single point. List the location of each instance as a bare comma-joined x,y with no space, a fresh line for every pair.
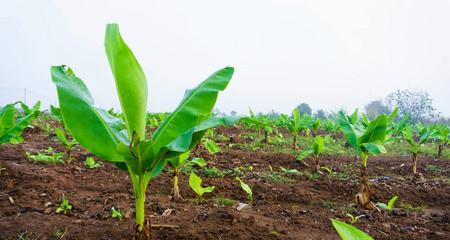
348,129
376,131
82,119
130,80
195,107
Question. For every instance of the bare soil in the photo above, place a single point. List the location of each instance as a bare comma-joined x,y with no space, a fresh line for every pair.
286,207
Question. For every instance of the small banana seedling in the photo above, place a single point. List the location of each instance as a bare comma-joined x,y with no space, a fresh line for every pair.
247,189
120,138
354,219
294,126
316,149
117,214
441,134
390,206
408,136
315,125
64,206
367,138
91,163
69,145
178,161
348,232
259,122
395,129
195,182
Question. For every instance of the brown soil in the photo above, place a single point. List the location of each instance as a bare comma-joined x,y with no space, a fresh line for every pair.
297,208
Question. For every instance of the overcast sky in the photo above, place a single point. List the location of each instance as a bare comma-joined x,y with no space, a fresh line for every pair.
330,54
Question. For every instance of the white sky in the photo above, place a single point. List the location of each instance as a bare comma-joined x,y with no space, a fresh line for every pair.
330,54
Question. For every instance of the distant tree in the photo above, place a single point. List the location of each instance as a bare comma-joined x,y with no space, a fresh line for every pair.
304,108
418,104
375,108
233,113
321,114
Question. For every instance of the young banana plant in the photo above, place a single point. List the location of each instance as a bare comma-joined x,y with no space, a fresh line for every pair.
294,126
69,145
122,141
259,122
177,162
12,125
367,140
318,146
408,136
441,134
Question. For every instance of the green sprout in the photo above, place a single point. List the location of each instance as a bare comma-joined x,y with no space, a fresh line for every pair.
91,163
408,135
354,219
390,206
116,213
247,189
69,145
64,206
317,147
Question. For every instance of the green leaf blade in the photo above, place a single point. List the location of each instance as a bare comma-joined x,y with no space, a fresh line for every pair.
130,80
348,232
196,107
78,112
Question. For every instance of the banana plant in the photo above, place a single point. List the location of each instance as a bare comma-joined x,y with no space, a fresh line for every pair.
441,134
26,110
12,124
177,162
294,126
408,136
122,141
259,122
367,140
315,125
318,147
69,145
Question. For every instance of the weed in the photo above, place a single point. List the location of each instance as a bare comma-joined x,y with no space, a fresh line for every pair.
408,208
60,234
433,169
329,204
212,172
223,201
48,156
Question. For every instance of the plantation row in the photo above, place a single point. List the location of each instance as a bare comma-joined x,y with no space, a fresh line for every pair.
145,144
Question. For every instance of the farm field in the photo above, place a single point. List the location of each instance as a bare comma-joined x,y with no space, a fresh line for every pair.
75,170
285,206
